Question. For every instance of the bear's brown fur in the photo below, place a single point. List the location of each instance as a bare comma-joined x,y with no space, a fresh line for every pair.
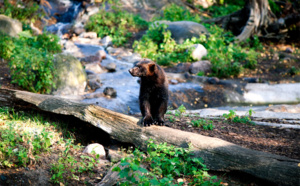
153,91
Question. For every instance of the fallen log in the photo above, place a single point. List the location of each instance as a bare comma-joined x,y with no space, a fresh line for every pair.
217,154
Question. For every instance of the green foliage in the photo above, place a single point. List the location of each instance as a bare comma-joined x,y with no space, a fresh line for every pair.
274,7
205,124
117,24
22,10
174,12
6,46
22,138
180,110
158,45
68,165
294,71
227,58
165,164
31,60
222,10
232,117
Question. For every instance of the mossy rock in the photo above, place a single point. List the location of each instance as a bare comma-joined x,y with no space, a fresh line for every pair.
10,26
71,78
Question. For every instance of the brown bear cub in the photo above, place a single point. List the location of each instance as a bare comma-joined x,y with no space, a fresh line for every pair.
153,91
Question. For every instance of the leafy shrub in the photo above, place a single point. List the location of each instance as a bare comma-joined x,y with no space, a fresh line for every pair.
158,45
31,60
227,57
21,10
32,69
222,10
165,163
117,24
174,12
6,46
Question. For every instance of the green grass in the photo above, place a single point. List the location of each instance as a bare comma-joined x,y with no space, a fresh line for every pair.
26,137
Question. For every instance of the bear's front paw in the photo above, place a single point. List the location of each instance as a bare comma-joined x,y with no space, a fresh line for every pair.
160,122
147,121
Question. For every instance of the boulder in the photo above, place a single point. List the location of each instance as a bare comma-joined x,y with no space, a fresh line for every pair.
94,67
198,51
200,66
111,92
182,30
71,78
10,26
95,148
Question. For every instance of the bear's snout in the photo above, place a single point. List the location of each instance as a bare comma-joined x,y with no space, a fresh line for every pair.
131,71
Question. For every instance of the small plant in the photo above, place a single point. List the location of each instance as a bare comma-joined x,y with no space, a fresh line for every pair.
205,124
171,118
165,163
180,110
294,71
233,117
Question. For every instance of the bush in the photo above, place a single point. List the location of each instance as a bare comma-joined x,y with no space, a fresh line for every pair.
22,10
158,46
117,24
31,60
166,164
6,46
174,12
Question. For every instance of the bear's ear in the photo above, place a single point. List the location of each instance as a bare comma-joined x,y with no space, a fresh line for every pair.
151,67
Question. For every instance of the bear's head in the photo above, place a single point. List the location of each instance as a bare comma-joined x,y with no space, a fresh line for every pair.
143,68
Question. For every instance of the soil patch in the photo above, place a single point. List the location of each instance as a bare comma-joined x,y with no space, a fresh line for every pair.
284,142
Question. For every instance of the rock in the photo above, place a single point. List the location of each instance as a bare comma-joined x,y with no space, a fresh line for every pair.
111,67
182,67
93,95
133,58
78,30
203,66
251,80
3,178
95,148
94,82
71,78
173,82
71,48
10,26
119,52
94,67
91,35
203,3
101,54
111,92
289,50
182,30
106,41
213,80
198,52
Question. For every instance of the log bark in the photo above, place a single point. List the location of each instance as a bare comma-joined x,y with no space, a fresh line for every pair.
217,154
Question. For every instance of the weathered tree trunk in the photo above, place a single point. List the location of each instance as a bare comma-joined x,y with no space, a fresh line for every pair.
254,18
216,153
260,16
